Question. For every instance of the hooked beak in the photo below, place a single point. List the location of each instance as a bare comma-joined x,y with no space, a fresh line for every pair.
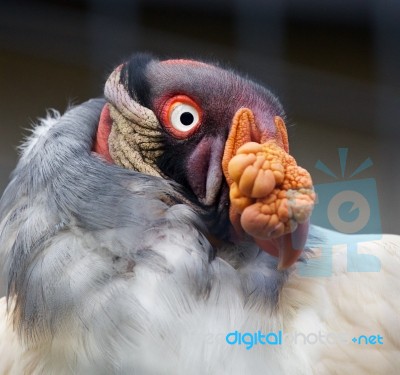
253,203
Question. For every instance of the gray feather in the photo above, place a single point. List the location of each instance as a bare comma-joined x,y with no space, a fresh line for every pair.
60,187
91,247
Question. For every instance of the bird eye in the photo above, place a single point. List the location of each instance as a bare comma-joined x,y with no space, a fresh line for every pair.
181,116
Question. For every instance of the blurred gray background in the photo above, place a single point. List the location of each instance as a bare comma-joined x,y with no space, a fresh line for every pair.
335,66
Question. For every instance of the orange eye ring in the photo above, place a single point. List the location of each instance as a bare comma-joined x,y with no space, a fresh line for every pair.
181,116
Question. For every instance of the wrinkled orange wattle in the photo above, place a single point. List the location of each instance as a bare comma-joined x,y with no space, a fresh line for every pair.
271,196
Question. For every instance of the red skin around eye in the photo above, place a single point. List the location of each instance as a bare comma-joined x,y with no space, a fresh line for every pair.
168,107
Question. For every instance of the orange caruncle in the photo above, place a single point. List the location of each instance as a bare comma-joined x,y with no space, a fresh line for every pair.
270,191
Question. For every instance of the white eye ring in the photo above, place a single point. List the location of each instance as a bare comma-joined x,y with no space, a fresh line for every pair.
184,117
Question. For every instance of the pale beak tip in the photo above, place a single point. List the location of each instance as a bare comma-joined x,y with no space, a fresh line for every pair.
283,266
288,255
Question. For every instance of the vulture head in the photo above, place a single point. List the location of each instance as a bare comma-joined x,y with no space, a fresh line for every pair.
185,121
